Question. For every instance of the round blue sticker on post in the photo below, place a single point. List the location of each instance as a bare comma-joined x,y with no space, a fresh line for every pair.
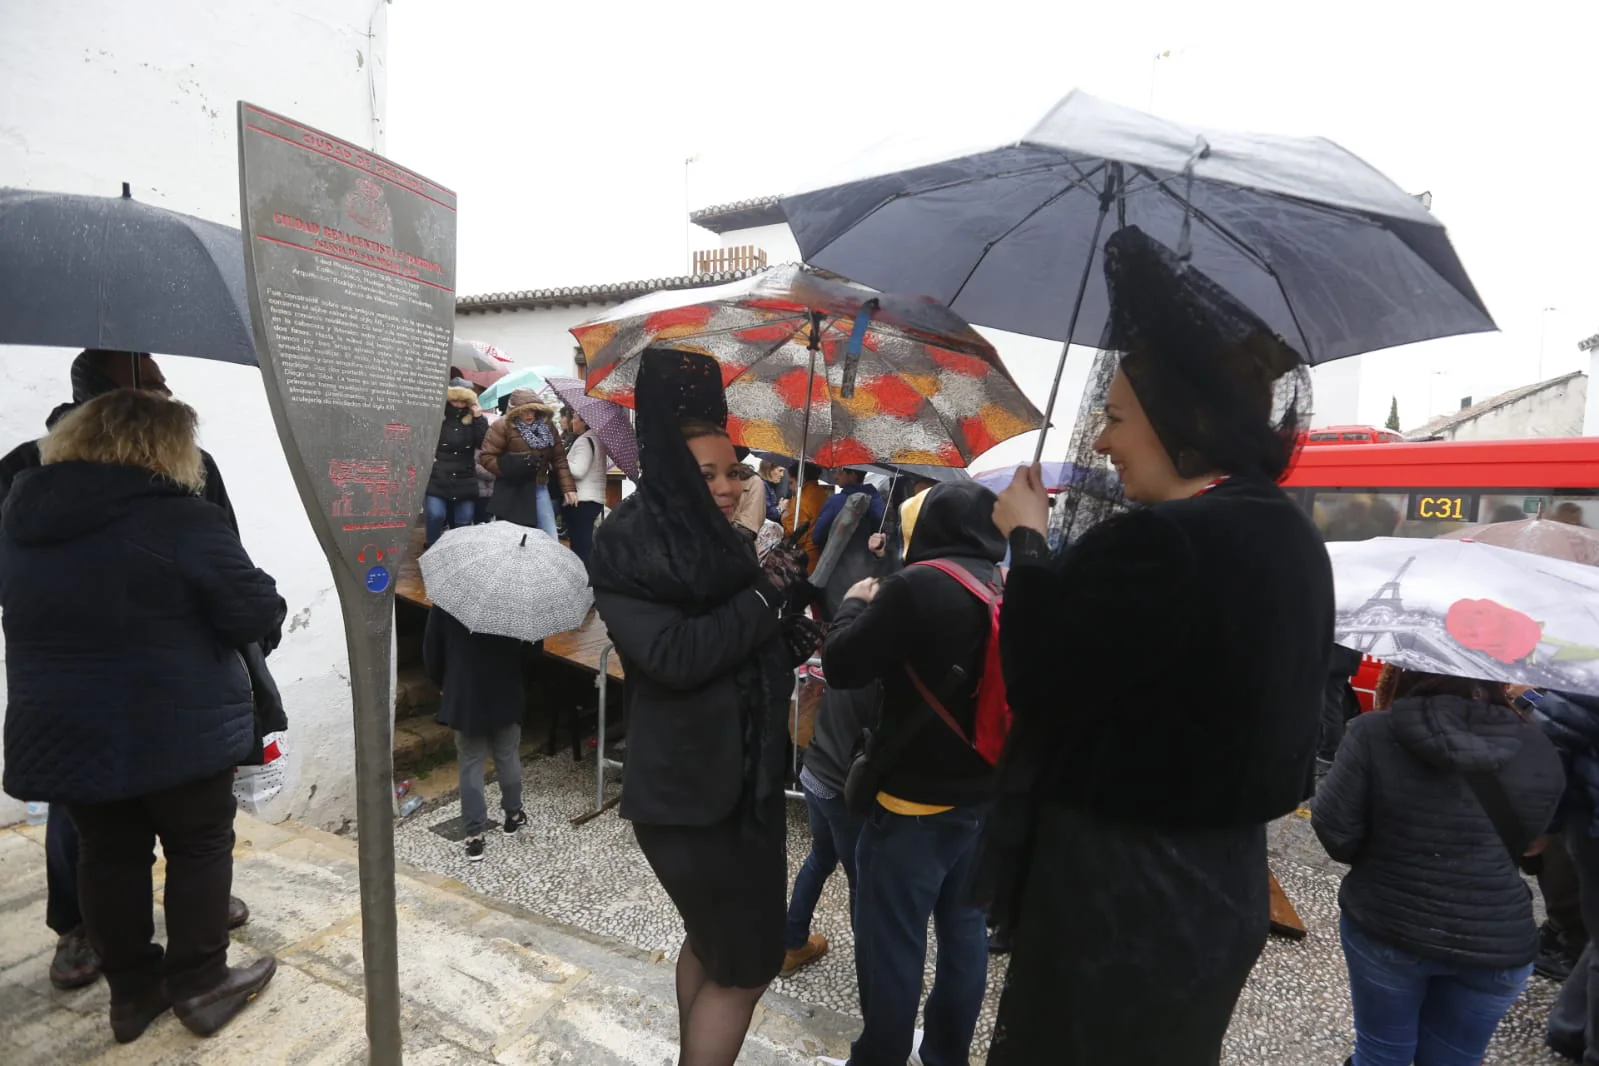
377,579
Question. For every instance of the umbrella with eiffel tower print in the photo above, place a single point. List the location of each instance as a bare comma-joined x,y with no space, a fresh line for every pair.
1469,609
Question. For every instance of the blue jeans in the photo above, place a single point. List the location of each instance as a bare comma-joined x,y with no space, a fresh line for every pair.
834,833
1410,1009
61,912
911,869
545,508
438,510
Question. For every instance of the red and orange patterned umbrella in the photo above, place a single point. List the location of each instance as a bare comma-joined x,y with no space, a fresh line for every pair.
913,384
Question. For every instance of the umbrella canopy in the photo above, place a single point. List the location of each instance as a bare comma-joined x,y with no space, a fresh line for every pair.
111,272
508,580
1330,253
525,378
1540,536
926,473
476,355
609,421
1055,476
829,370
1469,609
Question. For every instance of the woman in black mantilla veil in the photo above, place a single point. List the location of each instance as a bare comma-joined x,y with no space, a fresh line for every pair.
695,619
1166,673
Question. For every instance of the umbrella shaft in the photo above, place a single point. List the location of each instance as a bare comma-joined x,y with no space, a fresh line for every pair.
1071,324
805,440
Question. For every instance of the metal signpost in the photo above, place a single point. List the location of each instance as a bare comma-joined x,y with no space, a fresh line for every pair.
351,265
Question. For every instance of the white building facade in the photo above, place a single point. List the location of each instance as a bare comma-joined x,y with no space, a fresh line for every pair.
94,93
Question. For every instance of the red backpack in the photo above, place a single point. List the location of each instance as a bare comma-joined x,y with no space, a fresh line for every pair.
992,719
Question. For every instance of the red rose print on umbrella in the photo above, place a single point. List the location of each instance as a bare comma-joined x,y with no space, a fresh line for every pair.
1493,629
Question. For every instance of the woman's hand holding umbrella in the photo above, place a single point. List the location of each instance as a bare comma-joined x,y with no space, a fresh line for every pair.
1024,504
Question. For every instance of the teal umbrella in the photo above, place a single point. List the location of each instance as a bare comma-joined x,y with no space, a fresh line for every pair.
535,378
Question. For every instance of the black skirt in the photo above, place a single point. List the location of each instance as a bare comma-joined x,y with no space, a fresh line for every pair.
730,884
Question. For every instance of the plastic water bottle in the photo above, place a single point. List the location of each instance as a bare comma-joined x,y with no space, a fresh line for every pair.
38,813
410,806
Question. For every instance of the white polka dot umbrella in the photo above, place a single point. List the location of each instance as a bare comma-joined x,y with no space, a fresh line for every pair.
508,580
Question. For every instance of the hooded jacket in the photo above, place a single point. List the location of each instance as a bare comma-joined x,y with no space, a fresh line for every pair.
832,508
125,601
520,472
1429,872
454,473
925,619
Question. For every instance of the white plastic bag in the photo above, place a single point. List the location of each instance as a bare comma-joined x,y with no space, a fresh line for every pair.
257,786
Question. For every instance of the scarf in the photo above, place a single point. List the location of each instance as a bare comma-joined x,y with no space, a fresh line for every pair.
537,434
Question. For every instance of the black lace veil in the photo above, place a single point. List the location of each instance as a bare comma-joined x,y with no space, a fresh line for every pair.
668,542
1221,389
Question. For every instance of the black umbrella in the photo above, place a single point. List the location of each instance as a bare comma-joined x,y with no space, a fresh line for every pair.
111,272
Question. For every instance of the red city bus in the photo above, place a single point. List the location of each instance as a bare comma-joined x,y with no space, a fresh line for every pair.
1433,487
1351,435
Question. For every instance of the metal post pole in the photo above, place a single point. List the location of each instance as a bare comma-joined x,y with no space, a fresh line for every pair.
599,740
366,616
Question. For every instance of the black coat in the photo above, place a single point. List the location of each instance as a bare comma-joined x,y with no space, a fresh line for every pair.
1166,675
1572,723
482,675
1429,873
454,474
685,728
925,619
125,602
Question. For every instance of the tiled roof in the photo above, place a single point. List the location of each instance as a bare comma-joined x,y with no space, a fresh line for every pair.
741,214
582,295
1477,410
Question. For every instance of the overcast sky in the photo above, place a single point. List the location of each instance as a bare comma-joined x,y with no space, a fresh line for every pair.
564,127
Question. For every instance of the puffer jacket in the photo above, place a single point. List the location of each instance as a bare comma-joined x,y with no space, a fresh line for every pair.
454,473
125,601
588,463
1429,872
520,472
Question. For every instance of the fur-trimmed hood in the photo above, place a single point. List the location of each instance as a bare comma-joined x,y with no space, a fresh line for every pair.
523,400
458,394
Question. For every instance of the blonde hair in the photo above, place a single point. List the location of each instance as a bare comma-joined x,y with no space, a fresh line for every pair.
130,427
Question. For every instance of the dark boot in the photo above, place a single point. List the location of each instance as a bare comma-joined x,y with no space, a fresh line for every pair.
204,1014
129,1020
75,964
238,913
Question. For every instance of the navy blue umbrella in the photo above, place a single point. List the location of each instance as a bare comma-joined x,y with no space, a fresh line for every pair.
111,272
1336,258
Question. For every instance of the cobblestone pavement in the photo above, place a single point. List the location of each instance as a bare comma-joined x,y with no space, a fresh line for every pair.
1294,1012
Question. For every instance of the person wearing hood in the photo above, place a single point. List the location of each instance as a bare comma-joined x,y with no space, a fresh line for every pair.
452,492
1571,722
1433,801
850,483
95,372
917,853
1126,854
524,452
694,617
127,600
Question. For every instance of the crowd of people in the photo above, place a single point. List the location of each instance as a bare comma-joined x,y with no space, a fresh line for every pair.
1066,751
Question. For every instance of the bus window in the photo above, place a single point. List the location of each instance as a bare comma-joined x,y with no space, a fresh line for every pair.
1356,438
1583,511
1358,515
1321,438
1511,507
